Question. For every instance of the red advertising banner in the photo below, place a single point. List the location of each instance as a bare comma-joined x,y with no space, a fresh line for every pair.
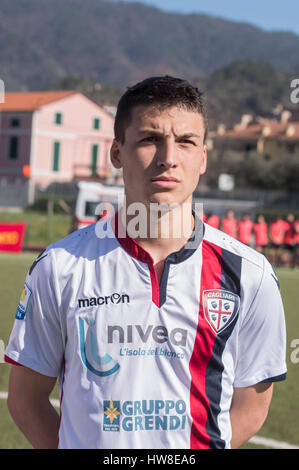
12,236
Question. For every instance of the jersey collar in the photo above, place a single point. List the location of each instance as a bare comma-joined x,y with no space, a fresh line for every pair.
138,252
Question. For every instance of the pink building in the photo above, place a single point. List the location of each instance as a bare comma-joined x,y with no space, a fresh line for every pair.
55,136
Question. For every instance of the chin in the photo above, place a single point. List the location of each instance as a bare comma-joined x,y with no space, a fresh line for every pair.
166,199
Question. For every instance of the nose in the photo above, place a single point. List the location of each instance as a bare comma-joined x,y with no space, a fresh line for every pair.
166,154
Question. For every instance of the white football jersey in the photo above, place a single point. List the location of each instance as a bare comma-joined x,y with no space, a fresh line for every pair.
144,364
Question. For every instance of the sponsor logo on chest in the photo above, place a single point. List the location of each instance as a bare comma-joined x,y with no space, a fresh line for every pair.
144,415
113,299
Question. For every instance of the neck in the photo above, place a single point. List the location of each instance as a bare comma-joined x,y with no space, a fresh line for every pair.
160,232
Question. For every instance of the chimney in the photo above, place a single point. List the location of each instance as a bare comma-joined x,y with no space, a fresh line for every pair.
266,130
221,129
245,120
290,131
277,110
285,116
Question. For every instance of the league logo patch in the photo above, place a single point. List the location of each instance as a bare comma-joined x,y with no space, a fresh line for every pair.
23,304
220,308
111,415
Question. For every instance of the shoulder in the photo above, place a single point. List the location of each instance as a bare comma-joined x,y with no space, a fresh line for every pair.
231,245
257,276
86,244
83,242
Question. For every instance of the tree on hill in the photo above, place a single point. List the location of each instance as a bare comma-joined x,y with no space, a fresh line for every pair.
245,87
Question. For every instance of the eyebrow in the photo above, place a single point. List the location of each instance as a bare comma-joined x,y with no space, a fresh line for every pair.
187,135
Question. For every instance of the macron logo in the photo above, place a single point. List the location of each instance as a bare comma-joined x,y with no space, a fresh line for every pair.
107,299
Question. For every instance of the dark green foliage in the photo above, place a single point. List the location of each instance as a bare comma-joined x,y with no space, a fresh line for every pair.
245,87
254,170
119,43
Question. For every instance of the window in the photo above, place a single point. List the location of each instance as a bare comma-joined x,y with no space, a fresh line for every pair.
249,147
96,123
13,150
56,156
94,160
90,208
291,148
15,122
58,118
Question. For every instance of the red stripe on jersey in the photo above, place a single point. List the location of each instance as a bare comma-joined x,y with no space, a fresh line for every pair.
203,349
155,284
11,361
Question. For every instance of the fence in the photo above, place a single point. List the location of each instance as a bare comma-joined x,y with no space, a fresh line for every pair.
13,195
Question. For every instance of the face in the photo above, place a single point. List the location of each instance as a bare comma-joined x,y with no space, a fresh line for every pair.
290,218
163,155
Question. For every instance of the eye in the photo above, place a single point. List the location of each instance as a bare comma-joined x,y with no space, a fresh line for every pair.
149,140
187,141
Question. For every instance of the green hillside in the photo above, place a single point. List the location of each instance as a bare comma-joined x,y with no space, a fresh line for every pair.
118,43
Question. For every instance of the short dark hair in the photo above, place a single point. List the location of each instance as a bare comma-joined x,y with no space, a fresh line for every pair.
161,92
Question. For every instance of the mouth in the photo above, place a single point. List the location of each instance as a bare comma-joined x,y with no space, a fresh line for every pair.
165,181
165,178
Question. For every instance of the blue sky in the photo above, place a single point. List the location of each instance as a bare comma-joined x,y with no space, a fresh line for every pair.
267,14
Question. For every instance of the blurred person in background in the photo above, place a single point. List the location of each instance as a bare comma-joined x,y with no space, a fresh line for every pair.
261,234
296,243
289,241
245,227
229,224
277,231
213,220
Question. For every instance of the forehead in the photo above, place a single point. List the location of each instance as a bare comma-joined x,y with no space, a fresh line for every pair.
163,119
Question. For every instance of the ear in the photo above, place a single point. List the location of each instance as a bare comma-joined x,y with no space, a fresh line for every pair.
203,164
115,155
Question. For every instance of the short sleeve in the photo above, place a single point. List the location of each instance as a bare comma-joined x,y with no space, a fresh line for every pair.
36,340
262,336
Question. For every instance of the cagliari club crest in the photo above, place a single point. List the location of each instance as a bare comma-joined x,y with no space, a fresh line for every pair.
220,308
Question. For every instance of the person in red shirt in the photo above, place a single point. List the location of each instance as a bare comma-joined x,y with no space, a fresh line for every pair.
229,224
296,232
296,244
277,232
289,240
289,232
261,234
213,220
245,227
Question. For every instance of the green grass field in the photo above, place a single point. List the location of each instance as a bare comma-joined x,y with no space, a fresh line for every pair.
283,419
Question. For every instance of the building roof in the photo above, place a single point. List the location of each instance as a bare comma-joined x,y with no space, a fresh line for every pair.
264,128
30,100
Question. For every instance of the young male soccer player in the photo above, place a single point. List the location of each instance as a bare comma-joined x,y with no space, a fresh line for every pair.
166,335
